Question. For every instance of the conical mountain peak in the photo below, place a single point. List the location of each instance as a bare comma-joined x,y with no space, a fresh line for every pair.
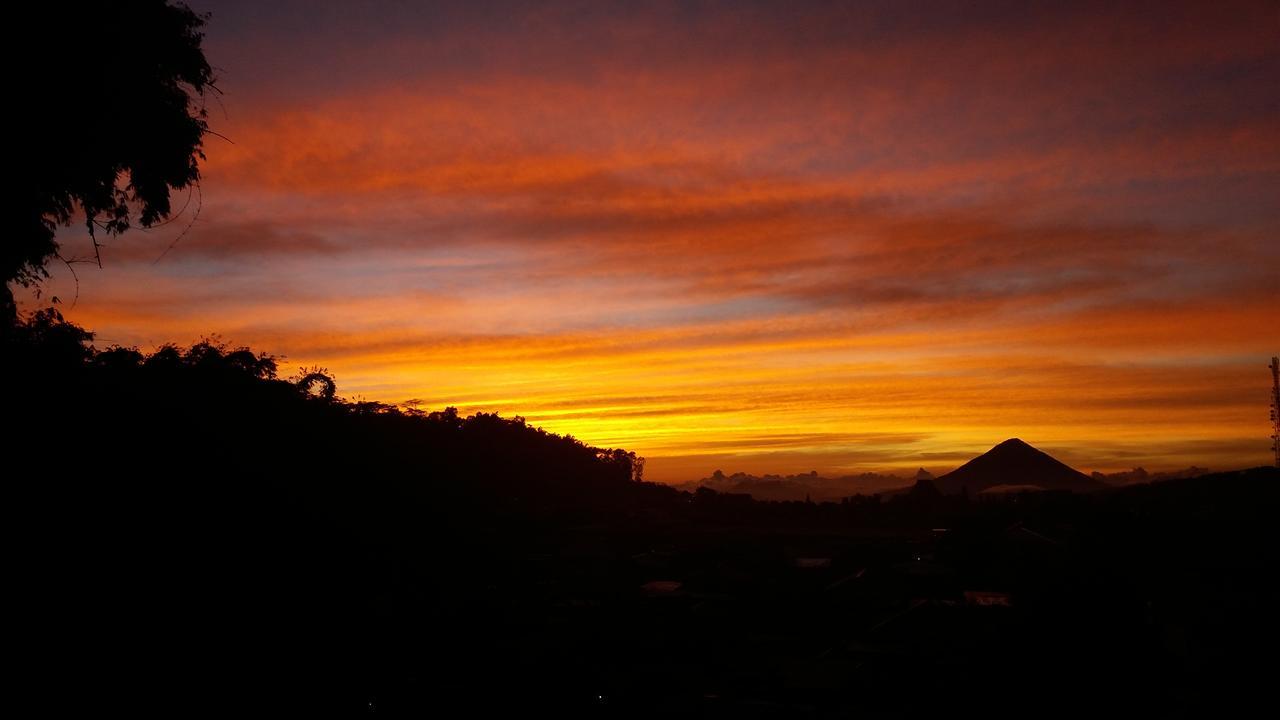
1015,462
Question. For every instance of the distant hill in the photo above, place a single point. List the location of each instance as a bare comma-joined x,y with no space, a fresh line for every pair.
803,486
1139,475
1014,462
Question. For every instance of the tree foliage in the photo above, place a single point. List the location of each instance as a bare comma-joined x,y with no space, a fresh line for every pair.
253,418
111,120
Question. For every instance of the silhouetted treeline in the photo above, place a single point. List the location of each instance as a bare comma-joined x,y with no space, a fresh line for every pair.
122,406
190,520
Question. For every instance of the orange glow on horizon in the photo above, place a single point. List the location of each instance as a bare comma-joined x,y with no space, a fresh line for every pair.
749,243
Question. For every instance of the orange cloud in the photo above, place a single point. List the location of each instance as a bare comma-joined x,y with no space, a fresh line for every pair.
853,238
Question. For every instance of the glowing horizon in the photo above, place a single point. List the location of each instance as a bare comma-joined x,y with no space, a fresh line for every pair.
730,237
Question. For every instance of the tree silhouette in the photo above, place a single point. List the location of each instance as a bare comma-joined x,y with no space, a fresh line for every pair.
110,117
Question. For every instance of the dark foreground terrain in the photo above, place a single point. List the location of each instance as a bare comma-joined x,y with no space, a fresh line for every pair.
191,533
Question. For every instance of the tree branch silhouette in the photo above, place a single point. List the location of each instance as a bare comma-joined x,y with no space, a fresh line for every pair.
112,122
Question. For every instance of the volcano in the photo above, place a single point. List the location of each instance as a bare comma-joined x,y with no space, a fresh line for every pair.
1014,462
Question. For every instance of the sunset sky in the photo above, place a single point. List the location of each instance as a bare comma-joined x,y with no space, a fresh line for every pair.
760,237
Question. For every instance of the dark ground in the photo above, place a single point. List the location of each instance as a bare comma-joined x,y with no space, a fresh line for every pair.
192,534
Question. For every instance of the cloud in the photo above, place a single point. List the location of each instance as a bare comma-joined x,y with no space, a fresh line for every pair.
865,234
